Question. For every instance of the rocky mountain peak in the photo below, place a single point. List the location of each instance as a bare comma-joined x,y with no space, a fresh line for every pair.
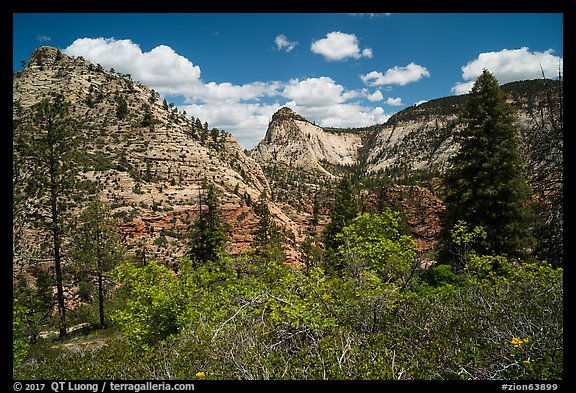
151,159
294,141
46,53
286,113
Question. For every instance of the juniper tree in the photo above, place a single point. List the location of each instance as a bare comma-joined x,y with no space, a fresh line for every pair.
485,184
122,108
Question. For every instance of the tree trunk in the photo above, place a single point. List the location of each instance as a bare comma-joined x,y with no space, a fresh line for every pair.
57,257
100,283
101,296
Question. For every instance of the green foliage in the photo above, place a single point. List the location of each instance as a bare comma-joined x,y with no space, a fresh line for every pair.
462,235
543,153
153,304
122,108
487,266
268,237
19,342
148,118
37,300
462,242
348,314
246,319
96,248
343,211
377,242
47,162
468,261
208,236
439,276
485,185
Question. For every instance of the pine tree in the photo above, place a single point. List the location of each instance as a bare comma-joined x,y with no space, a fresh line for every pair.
343,211
485,185
122,109
97,247
46,151
209,233
268,238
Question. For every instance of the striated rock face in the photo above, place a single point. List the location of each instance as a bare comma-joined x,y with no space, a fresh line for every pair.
415,144
294,141
421,137
152,161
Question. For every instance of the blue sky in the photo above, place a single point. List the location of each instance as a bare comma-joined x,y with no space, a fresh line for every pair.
343,70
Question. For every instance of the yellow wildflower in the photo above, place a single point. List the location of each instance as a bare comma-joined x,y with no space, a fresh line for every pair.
200,374
519,342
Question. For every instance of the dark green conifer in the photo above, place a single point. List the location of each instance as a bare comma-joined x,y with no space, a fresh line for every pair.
47,161
485,184
209,233
343,211
268,238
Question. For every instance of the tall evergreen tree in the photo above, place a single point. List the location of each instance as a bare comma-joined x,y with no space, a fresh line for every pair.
209,233
485,185
46,150
97,246
122,108
268,238
344,210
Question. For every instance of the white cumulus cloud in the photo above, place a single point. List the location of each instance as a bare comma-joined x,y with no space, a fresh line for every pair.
246,121
225,92
462,87
282,43
394,101
165,71
509,65
161,68
376,96
396,76
238,109
43,38
317,92
338,46
343,115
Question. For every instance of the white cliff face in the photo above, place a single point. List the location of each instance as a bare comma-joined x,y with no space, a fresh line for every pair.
416,138
417,144
294,141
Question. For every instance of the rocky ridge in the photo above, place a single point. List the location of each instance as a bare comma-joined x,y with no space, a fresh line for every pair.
153,160
420,137
298,143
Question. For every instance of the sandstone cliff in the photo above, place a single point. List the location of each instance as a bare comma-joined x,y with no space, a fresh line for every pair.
152,160
298,143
